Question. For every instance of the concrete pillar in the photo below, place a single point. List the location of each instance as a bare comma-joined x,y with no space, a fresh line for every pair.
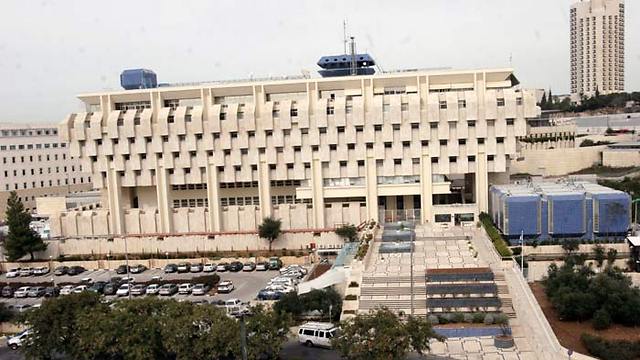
114,193
213,197
165,208
426,187
482,182
371,179
264,187
317,192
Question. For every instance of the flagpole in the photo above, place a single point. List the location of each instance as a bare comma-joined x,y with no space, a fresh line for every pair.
522,251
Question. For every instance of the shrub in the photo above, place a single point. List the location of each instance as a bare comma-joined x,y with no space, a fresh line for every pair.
433,319
353,284
601,319
351,297
516,251
457,317
444,318
478,318
611,350
488,319
347,231
468,318
501,319
499,243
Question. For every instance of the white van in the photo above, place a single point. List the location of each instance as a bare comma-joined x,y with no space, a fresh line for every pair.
317,334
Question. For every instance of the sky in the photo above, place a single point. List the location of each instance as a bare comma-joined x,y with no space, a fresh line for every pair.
50,51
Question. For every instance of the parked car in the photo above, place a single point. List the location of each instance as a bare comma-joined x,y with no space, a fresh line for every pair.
185,289
294,268
249,266
122,269
67,289
13,273
138,290
115,280
36,291
123,290
98,287
61,270
42,270
20,308
275,263
225,287
209,267
7,291
200,289
86,281
16,341
195,268
269,294
262,266
152,289
138,269
75,270
235,266
128,279
26,272
80,288
168,290
222,267
22,292
285,289
110,288
170,268
51,291
184,267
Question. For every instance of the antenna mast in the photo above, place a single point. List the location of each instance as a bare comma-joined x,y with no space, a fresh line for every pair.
344,34
353,57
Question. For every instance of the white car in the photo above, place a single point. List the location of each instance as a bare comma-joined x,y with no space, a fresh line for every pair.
152,289
293,268
16,341
209,268
26,272
22,292
123,290
42,270
225,286
80,288
281,288
13,273
67,289
282,281
20,308
185,289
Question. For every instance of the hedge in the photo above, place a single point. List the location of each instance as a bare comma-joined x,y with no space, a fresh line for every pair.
494,235
611,350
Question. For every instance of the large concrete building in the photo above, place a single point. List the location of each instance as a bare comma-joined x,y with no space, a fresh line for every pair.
35,163
315,153
597,46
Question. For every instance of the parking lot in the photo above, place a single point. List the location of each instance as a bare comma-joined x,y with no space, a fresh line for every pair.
247,284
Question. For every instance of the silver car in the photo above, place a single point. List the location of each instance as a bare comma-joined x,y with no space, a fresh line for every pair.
200,289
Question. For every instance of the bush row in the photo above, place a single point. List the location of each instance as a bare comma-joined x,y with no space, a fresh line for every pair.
476,318
213,255
494,235
611,350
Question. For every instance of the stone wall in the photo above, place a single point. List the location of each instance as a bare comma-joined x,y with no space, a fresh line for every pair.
556,162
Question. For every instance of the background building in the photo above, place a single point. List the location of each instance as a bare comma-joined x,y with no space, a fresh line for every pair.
560,210
34,162
312,152
597,46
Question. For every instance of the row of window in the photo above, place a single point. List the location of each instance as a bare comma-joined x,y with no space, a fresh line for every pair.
74,181
28,132
31,158
190,203
189,187
32,146
40,171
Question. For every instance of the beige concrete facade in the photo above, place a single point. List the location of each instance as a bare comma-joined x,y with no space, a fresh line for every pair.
35,163
597,46
313,152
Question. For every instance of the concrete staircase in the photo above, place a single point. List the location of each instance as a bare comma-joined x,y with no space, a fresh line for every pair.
504,295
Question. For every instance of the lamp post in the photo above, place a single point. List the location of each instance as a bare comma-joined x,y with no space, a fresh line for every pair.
126,260
167,255
413,238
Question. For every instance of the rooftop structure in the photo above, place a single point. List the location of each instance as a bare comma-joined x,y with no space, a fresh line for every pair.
563,209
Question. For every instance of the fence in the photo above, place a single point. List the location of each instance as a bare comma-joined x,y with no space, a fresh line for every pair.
387,216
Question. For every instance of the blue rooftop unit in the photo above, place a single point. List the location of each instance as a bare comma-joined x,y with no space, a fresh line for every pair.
560,210
132,79
340,65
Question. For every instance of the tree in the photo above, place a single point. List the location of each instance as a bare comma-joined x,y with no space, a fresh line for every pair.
569,246
612,254
21,239
601,319
550,101
266,333
324,301
599,255
270,229
348,232
382,335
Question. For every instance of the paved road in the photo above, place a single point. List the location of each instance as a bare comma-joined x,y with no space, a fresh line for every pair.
8,354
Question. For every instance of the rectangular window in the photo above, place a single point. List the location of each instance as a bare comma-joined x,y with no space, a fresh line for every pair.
443,104
462,104
500,101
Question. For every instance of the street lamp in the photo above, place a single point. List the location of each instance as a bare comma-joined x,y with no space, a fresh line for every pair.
413,239
167,255
126,259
